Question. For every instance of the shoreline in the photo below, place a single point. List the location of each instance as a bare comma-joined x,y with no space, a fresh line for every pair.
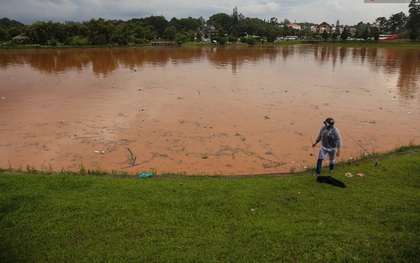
373,157
348,43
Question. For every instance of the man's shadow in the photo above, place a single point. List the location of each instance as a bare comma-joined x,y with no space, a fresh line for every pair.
330,180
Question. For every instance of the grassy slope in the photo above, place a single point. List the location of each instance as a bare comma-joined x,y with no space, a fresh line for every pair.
66,218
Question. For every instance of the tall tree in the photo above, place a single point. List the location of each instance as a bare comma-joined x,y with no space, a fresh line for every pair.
3,35
345,34
187,24
382,24
159,23
6,23
397,22
374,32
365,33
413,21
254,26
222,22
235,22
124,33
170,32
274,21
100,31
325,35
42,32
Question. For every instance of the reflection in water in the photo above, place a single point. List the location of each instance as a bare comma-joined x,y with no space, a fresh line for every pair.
408,74
215,110
405,61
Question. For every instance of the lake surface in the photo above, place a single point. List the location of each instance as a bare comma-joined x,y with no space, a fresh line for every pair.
213,110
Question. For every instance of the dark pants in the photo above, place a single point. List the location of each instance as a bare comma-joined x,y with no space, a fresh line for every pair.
321,155
319,166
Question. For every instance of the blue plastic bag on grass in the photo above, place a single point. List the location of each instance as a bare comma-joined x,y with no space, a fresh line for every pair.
145,175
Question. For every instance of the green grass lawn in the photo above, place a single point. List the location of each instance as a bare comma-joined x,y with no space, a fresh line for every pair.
68,218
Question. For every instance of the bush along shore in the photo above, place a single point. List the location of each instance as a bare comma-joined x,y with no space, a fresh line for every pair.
73,218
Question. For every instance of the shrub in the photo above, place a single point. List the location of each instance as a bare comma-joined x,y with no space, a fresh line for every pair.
251,41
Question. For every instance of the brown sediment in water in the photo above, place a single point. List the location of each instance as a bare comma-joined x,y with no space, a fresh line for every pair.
202,111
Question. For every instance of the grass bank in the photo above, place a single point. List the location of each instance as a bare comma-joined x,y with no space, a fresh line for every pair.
68,218
396,43
349,43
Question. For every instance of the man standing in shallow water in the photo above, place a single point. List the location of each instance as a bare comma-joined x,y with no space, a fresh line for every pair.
330,139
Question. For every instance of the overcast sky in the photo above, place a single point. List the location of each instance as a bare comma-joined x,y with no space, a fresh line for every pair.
349,12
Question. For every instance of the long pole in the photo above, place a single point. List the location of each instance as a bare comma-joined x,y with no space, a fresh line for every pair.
313,149
369,154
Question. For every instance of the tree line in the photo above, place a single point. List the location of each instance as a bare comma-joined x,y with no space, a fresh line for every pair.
220,27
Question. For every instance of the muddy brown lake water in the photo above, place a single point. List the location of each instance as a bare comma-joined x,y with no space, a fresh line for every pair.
213,110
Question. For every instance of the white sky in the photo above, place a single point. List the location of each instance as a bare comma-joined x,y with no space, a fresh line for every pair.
349,12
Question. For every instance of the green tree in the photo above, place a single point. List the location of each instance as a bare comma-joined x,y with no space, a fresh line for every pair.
73,29
14,31
187,24
251,41
345,34
100,31
6,23
170,32
10,28
3,35
53,42
180,38
149,32
272,33
382,24
190,34
374,32
141,32
235,22
413,21
159,24
397,22
325,35
365,33
287,30
124,34
360,30
222,22
274,21
38,32
255,27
